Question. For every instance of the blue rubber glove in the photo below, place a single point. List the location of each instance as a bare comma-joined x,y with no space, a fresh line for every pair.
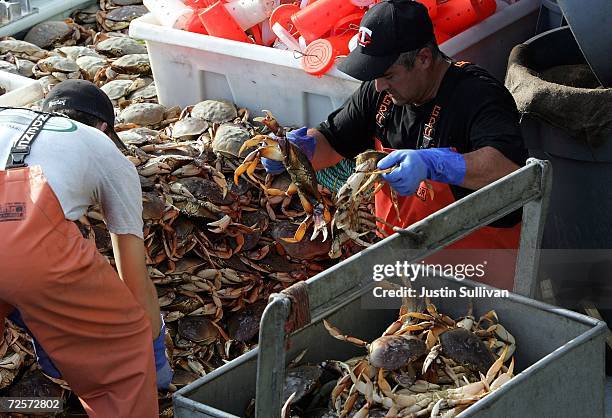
300,138
438,164
163,370
44,361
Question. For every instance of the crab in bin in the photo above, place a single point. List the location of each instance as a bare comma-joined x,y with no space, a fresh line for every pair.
304,182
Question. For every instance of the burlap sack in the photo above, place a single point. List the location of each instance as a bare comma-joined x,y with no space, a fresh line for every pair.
584,113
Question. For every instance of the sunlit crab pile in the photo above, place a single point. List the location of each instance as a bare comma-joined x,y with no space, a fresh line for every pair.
214,241
424,365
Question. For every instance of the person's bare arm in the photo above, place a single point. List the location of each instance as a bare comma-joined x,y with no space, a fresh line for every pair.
324,156
130,261
484,166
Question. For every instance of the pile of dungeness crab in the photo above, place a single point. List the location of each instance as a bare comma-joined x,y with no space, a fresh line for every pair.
220,234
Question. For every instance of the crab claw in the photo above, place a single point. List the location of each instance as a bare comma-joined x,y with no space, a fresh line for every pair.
300,232
249,160
268,116
270,121
320,224
248,144
272,152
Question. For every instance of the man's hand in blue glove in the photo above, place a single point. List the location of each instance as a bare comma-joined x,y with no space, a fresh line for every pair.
300,138
162,367
413,166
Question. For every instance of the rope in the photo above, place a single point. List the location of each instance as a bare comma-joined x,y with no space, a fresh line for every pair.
299,316
334,177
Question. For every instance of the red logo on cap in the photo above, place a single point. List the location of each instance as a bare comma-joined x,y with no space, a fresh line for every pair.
365,36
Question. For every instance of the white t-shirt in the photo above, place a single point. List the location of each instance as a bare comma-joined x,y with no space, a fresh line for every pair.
82,166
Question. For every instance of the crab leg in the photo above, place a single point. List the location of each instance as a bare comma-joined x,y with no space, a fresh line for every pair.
337,334
299,234
256,140
246,163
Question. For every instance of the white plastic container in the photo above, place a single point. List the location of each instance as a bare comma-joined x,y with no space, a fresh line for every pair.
248,13
170,13
20,90
189,68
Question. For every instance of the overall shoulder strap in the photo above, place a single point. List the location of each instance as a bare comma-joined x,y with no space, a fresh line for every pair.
21,148
427,137
383,110
385,106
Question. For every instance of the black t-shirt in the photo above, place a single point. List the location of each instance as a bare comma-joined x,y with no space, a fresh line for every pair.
472,110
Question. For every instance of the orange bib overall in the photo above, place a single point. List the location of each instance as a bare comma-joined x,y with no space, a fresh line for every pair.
503,241
72,300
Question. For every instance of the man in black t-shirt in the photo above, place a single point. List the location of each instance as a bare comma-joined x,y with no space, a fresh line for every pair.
450,123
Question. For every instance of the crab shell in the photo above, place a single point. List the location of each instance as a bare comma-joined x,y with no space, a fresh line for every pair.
59,67
228,139
35,384
85,16
391,352
183,377
132,64
119,18
303,250
143,114
138,136
198,329
112,4
465,348
205,189
148,93
244,325
23,49
117,89
52,33
301,380
189,128
8,67
90,65
119,46
215,111
75,52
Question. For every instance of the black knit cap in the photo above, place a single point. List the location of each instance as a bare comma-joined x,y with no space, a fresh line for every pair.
85,97
388,29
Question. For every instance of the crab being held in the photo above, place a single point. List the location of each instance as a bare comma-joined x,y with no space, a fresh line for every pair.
351,221
302,175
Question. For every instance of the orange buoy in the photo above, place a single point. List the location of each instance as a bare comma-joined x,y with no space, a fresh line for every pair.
316,19
218,22
320,55
455,16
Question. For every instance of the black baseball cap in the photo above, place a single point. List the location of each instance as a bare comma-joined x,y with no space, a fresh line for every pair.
388,29
85,97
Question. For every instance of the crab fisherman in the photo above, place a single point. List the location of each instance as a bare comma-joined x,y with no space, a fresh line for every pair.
98,329
450,123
